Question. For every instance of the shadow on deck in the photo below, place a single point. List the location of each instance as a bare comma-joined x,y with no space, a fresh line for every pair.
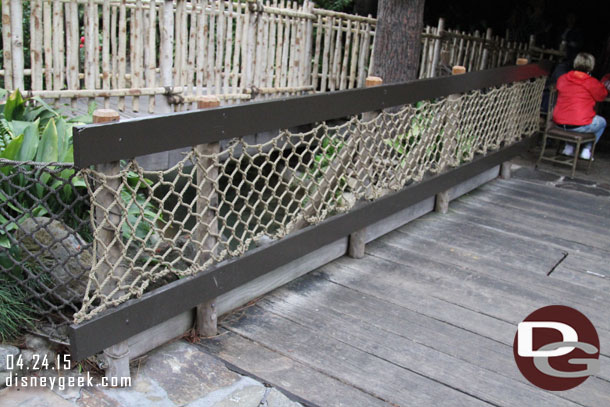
429,316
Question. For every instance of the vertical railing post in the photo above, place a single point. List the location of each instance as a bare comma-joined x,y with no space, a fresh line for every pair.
166,62
6,40
357,240
17,42
505,167
437,47
206,230
109,250
441,203
253,17
486,47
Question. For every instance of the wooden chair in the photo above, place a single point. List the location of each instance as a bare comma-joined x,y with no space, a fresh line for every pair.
554,132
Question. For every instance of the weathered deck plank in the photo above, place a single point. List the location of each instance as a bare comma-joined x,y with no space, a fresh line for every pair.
429,315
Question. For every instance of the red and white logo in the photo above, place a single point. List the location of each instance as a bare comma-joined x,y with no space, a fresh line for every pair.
556,348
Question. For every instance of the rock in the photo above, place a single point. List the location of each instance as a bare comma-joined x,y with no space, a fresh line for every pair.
276,398
249,396
5,352
3,377
35,342
62,250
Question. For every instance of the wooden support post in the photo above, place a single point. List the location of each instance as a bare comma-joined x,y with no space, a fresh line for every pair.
505,170
117,356
357,239
206,231
441,203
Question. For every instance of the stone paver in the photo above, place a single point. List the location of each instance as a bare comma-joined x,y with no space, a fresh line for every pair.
178,374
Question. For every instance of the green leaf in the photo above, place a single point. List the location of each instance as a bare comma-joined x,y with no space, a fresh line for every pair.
68,156
47,150
14,107
12,150
30,143
4,242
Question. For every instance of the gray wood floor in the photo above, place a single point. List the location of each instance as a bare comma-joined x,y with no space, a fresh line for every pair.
428,317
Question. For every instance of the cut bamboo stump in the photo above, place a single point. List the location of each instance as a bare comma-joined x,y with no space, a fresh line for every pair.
357,240
441,203
522,61
206,321
117,356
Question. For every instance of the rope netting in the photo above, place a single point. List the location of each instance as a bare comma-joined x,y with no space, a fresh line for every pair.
152,227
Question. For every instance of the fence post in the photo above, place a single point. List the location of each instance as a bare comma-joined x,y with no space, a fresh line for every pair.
207,171
505,167
17,42
253,17
486,46
6,40
357,240
166,28
117,356
437,47
441,203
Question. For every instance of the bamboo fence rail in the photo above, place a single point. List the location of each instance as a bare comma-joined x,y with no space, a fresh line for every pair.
245,48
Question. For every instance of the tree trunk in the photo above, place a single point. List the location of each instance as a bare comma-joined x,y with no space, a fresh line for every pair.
398,40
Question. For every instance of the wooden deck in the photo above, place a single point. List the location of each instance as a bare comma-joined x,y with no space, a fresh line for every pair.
428,317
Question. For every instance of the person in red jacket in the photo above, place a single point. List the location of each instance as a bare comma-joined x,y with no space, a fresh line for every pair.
577,93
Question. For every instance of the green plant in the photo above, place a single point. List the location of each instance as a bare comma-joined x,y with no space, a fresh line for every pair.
15,314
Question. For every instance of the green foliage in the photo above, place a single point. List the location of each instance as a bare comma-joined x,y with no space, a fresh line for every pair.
15,313
335,5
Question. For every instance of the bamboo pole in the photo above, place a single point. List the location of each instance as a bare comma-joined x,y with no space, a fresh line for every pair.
96,48
6,39
278,51
16,22
486,45
178,31
58,51
150,55
72,48
364,50
286,49
236,64
437,48
317,53
114,60
36,44
354,57
259,48
220,35
122,52
48,49
308,50
272,48
264,52
336,57
106,50
136,51
344,64
166,28
201,48
211,79
228,47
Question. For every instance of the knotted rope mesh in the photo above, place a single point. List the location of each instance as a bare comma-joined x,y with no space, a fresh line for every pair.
151,227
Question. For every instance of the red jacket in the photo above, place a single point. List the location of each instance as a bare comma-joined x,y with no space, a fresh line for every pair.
577,93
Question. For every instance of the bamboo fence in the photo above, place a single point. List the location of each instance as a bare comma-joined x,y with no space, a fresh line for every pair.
184,49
